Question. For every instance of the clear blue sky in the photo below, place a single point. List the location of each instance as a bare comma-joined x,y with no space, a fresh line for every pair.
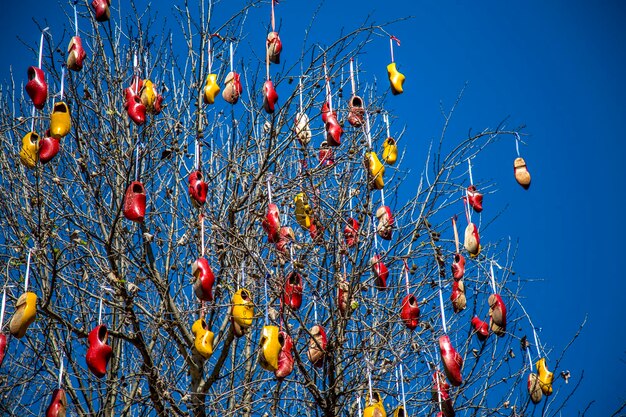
559,67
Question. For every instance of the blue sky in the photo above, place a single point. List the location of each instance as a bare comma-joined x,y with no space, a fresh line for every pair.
557,67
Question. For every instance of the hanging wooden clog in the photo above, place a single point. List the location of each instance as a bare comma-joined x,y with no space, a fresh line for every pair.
410,313
356,111
60,120
203,342
399,412
133,105
285,358
333,130
98,352
102,9
29,153
497,315
58,404
474,198
534,388
385,222
243,308
271,223
148,95
302,129
36,87
76,54
270,348
375,171
396,78
351,232
441,394
274,47
459,301
472,240
343,295
481,328
380,272
48,148
292,294
135,202
326,155
211,89
317,345
452,361
203,279
198,188
545,376
303,211
375,406
285,237
270,97
232,88
24,316
3,346
458,266
522,176
390,151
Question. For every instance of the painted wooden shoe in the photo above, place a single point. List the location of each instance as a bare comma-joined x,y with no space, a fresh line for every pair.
390,151
48,148
36,87
29,153
380,271
243,308
356,111
148,95
375,171
203,342
58,404
60,120
497,315
441,394
198,189
459,301
481,328
399,412
326,155
452,361
76,54
203,279
522,176
274,47
135,202
101,9
232,88
270,97
545,376
458,266
24,316
303,211
292,294
351,232
98,353
211,89
285,358
271,223
3,347
285,237
396,79
302,129
317,346
343,295
375,407
534,388
385,222
269,348
134,107
333,130
475,199
472,240
410,313
325,111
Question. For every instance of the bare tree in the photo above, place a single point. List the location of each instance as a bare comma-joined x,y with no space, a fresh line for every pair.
307,223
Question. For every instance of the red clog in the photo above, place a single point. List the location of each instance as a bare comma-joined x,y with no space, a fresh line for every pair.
317,346
58,404
232,88
270,97
452,361
271,223
497,315
292,295
356,111
285,358
135,202
385,222
48,148
274,47
410,313
134,107
458,266
3,347
285,237
203,279
36,87
76,54
351,232
101,8
441,395
459,302
98,353
475,199
380,271
481,328
197,189
326,155
333,130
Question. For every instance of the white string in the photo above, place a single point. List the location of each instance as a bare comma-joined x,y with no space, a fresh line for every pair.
291,252
61,369
386,119
530,361
210,56
456,235
369,381
231,58
468,212
266,300
352,82
382,196
358,402
375,234
242,278
269,188
329,95
300,96
517,143
493,280
315,307
32,120
27,272
536,341
62,81
469,168
197,151
443,313
4,302
367,129
75,19
406,412
391,48
137,162
41,46
406,279
202,234
100,313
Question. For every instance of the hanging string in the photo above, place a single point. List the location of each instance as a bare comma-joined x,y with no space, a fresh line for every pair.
530,361
406,277
367,129
443,313
406,412
62,81
300,93
202,234
468,212
61,369
456,234
232,65
358,403
386,120
41,47
273,19
267,314
375,234
269,189
210,54
27,271
469,169
100,313
493,280
517,143
241,282
4,302
75,18
329,95
315,306
291,253
536,340
391,39
267,59
137,162
369,382
382,196
352,82
135,72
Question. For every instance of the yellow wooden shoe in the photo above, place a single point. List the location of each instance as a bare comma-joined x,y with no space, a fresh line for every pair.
376,171
211,89
60,121
25,312
243,308
390,151
545,376
270,348
29,154
399,412
204,338
303,211
396,79
375,408
522,176
148,95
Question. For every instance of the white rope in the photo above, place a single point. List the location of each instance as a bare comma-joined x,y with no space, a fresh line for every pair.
137,162
469,169
352,82
517,143
406,280
382,196
202,234
75,19
443,313
386,119
300,94
493,279
269,189
369,381
100,313
358,402
32,120
41,47
231,58
210,56
406,412
391,48
62,82
530,361
266,300
61,369
367,129
27,271
315,307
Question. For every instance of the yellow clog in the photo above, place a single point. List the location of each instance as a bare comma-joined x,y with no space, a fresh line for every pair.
376,171
545,376
211,89
303,211
270,348
148,95
25,312
376,408
30,149
396,79
204,338
390,151
243,308
399,412
60,121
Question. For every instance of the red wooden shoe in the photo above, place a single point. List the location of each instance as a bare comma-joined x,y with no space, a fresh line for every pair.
197,189
76,54
459,302
232,88
497,315
285,358
380,271
317,346
36,87
274,47
326,155
203,279
481,328
441,394
292,295
343,292
452,361
101,9
58,404
333,130
285,237
475,199
48,148
410,313
472,240
458,266
135,202
134,107
385,222
98,353
271,223
270,97
3,347
351,232
325,111
356,111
